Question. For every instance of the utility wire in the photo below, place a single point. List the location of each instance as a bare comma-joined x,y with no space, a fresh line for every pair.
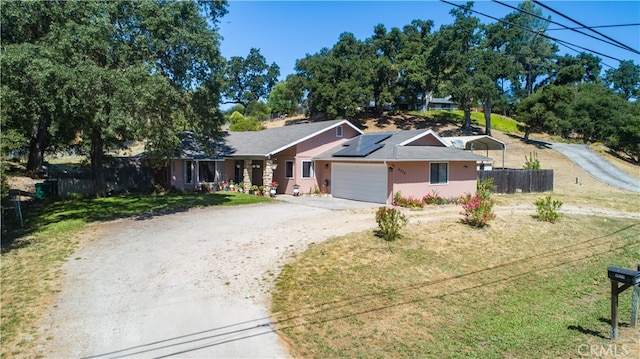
592,27
581,24
536,32
616,44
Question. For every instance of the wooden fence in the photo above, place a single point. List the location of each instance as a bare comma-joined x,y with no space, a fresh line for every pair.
123,174
509,180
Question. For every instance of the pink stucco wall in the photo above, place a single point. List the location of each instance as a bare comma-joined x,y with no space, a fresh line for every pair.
412,179
305,151
177,174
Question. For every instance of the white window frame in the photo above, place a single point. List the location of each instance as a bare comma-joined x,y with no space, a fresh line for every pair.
286,169
188,168
447,173
312,170
339,131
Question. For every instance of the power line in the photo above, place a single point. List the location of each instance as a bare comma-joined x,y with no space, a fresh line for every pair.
581,24
565,43
616,44
591,27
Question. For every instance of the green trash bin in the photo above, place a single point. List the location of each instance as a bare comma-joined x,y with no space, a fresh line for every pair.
47,190
39,191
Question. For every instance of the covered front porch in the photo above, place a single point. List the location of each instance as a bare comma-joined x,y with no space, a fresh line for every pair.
251,173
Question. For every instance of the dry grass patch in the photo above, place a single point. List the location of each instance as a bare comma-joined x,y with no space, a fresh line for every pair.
448,290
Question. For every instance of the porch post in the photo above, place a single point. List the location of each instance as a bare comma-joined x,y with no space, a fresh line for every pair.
267,177
246,176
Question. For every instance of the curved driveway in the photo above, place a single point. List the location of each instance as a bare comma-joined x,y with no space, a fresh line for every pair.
194,284
188,285
598,167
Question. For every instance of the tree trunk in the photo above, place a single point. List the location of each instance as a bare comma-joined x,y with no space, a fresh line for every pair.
487,115
37,143
530,79
466,128
426,98
527,132
97,157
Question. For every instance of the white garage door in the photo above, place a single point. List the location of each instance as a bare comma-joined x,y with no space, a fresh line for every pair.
361,182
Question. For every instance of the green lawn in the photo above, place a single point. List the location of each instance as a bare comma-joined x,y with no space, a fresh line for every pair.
32,257
498,122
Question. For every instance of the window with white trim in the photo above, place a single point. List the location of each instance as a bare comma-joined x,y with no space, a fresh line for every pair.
439,173
339,130
288,169
188,172
307,169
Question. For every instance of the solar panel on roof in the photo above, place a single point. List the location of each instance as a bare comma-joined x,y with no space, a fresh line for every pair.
364,145
359,151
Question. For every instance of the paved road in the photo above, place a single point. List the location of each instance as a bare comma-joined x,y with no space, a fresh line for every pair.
598,167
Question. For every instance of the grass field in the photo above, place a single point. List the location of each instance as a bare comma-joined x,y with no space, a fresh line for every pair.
498,122
518,289
32,258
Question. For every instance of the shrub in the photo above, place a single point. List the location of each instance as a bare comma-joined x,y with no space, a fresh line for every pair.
477,211
547,209
407,202
434,198
390,221
431,198
531,162
485,188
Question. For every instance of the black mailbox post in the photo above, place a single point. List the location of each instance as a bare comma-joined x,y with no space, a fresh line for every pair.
626,278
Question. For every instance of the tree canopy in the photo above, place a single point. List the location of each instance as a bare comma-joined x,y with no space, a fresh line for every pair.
102,74
249,79
510,64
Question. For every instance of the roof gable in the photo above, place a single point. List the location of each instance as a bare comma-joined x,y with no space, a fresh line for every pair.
429,133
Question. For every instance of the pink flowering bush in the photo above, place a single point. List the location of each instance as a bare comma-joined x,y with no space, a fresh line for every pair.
407,202
390,221
477,210
434,198
429,199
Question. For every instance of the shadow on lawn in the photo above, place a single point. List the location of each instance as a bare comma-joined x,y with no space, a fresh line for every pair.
539,144
40,215
586,331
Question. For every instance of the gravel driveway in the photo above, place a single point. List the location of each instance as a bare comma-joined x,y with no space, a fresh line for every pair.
191,284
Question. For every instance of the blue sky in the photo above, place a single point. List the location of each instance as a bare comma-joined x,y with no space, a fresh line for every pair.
285,31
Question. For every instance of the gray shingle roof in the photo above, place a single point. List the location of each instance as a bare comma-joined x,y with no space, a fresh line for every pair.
393,151
191,148
256,143
273,140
